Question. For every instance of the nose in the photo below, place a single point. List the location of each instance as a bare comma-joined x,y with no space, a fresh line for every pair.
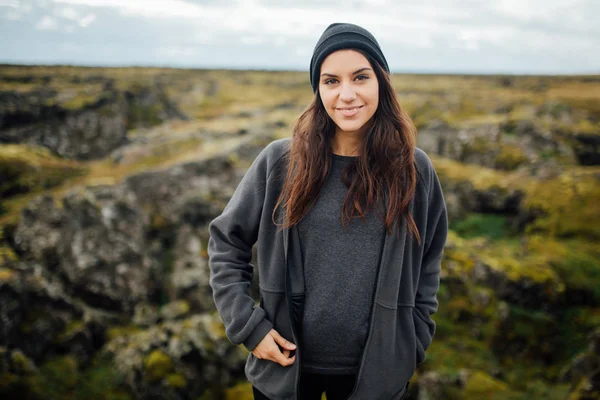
347,94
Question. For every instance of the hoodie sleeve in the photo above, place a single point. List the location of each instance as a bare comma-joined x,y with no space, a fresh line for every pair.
232,235
426,303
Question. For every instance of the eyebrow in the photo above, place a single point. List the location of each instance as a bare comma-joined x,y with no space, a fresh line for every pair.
354,73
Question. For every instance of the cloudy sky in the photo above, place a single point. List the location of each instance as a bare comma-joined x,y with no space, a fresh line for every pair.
447,36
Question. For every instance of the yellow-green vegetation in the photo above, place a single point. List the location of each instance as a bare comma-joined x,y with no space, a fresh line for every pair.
7,255
507,256
472,321
6,274
71,329
510,258
492,226
575,260
556,256
481,178
216,328
176,381
481,385
26,168
157,365
62,379
510,157
570,203
241,391
123,330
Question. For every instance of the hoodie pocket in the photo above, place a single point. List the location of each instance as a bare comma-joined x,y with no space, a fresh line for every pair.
275,307
271,378
390,354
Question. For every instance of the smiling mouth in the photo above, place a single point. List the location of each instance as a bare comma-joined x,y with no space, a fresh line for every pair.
349,111
349,108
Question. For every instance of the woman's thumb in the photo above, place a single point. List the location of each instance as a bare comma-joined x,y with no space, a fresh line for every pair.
282,341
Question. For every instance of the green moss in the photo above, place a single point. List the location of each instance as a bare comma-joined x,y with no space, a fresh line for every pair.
480,385
575,212
448,355
21,363
143,115
157,365
539,389
518,263
478,146
575,324
478,177
576,262
58,376
241,391
72,328
510,157
26,168
580,271
176,381
175,309
528,342
217,329
6,274
211,394
476,224
583,392
125,330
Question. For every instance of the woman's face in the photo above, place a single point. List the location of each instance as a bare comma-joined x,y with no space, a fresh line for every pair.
349,90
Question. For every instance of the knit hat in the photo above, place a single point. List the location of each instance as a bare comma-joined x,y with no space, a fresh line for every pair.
339,36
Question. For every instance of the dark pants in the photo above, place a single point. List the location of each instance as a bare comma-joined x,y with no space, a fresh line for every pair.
312,386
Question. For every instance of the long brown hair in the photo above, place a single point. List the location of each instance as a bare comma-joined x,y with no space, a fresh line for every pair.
385,162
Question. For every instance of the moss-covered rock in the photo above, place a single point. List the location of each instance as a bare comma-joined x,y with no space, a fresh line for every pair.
123,330
157,365
510,157
481,385
177,381
241,391
174,310
25,169
167,355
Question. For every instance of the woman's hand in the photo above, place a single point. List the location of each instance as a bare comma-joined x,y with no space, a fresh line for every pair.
268,349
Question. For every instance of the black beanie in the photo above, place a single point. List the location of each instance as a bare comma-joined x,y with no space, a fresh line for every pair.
339,36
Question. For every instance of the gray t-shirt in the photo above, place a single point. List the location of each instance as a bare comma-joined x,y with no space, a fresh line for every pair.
340,268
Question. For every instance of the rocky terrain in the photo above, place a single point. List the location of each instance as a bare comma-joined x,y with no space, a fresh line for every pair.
110,177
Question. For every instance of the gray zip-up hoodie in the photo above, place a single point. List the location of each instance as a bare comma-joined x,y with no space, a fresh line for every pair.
401,327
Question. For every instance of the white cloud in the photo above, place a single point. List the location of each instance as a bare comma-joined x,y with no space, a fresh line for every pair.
87,20
67,13
17,11
513,29
70,14
47,23
149,8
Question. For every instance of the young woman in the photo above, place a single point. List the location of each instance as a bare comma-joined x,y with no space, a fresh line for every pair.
350,224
